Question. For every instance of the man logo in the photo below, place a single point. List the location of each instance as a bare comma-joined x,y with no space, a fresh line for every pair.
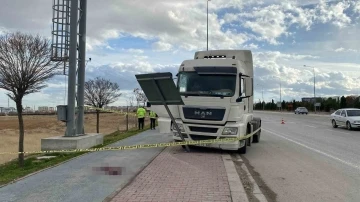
202,114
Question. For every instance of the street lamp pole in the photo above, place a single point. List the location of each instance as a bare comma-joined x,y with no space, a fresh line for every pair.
262,96
314,87
207,24
280,97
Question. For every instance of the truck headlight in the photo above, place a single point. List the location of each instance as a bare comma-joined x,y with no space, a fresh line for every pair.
230,131
181,127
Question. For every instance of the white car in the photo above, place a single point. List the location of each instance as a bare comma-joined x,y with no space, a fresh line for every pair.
301,110
349,117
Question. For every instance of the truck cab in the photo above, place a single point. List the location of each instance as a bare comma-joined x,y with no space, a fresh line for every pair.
217,89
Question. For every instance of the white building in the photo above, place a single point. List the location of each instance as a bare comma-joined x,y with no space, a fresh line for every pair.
43,108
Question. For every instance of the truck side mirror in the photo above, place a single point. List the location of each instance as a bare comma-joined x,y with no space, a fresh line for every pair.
148,104
248,87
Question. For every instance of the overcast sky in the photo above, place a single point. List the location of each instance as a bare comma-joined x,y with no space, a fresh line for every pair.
139,36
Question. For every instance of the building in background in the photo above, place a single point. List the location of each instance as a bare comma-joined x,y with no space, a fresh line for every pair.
28,109
337,98
310,99
43,108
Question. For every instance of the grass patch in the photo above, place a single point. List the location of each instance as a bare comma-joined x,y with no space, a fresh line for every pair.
11,171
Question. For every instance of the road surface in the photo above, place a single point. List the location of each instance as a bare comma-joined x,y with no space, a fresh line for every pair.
305,159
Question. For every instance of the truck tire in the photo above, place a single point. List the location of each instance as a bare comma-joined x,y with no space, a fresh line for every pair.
242,150
256,137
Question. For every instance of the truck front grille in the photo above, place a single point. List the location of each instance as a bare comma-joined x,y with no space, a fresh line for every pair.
203,129
210,114
202,137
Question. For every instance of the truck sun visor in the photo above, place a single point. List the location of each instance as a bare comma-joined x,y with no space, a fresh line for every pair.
216,70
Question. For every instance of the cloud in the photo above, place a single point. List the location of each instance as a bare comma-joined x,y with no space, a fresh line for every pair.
341,49
132,50
162,46
334,13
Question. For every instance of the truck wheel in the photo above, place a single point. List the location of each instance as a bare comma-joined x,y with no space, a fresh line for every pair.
242,150
249,141
256,137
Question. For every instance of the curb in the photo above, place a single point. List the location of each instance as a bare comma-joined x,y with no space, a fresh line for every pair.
237,190
256,190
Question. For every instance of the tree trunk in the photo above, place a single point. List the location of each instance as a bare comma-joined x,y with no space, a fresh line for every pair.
97,121
21,132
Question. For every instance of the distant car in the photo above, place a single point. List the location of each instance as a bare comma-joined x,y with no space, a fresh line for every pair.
349,117
301,110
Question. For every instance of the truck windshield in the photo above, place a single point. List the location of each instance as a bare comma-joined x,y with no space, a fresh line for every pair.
191,83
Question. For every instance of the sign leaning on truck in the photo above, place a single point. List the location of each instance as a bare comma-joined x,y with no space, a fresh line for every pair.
217,89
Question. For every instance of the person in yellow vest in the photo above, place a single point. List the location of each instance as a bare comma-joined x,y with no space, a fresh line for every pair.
152,115
141,116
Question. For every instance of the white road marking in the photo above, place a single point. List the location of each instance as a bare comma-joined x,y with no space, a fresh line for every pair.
310,126
316,150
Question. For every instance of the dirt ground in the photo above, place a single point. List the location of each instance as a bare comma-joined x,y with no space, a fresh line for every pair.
42,126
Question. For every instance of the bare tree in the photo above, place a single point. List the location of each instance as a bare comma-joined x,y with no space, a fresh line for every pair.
99,93
131,100
25,66
140,96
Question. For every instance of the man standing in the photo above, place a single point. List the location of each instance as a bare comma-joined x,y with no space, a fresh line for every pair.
141,116
152,119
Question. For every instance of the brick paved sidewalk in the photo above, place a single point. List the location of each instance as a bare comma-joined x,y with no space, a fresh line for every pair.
178,176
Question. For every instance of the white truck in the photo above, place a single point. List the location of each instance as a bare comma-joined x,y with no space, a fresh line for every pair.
217,90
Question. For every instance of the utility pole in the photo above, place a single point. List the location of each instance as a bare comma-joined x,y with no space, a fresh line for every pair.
127,118
70,125
81,68
207,24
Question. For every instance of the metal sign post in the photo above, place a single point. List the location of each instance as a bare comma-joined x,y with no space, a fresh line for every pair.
160,89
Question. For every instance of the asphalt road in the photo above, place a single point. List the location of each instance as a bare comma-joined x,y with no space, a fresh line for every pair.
77,181
305,159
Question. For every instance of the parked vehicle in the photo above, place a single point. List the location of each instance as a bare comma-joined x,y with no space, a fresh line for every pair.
301,110
217,89
349,117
